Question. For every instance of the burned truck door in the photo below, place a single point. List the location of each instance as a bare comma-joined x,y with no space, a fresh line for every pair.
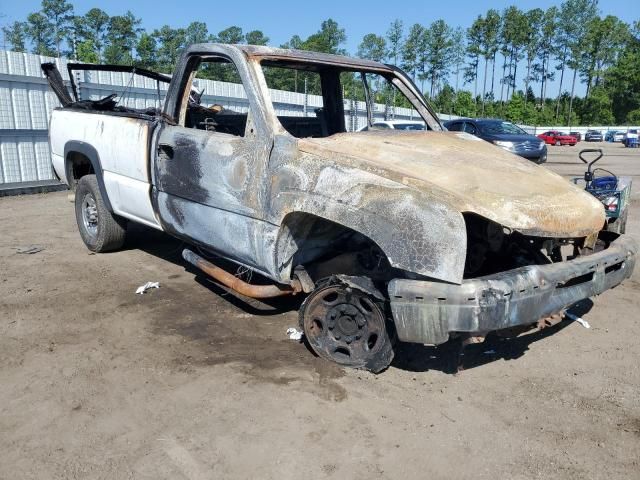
208,168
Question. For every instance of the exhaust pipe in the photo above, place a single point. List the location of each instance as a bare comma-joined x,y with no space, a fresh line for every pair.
238,285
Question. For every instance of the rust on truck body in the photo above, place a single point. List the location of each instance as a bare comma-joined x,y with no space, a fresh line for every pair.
473,176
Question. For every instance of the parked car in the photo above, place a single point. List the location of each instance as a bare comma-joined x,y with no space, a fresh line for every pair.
555,137
395,125
577,135
424,237
503,134
593,136
631,137
614,136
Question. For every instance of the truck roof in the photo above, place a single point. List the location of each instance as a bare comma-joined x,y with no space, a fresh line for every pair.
274,54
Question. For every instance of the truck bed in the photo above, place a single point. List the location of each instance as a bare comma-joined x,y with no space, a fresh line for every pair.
121,143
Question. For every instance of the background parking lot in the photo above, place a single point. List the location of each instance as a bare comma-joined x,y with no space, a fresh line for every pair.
190,381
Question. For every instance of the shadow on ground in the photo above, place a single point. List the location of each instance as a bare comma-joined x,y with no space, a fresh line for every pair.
446,358
168,248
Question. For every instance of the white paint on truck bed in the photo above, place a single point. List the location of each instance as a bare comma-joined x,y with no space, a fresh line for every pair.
122,144
125,194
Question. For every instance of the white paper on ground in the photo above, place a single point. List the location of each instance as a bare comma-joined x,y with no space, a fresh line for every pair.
294,333
143,288
580,320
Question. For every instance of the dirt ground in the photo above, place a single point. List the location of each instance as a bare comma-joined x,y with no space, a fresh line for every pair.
190,382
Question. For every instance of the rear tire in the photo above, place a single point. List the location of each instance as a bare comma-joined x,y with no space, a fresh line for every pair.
100,230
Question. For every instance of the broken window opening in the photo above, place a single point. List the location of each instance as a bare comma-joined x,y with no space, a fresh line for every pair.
202,110
308,120
382,99
329,98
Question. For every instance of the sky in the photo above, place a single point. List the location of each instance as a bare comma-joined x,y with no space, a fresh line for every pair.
279,20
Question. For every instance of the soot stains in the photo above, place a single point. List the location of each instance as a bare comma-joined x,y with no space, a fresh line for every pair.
179,167
255,344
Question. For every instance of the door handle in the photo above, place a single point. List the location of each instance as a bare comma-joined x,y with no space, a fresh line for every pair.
165,149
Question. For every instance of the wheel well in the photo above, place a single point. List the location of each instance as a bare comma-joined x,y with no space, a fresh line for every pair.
78,165
324,247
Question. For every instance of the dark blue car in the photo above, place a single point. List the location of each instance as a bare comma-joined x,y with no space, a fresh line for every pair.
503,134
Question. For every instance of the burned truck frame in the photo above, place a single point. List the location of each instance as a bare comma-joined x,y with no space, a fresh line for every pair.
426,235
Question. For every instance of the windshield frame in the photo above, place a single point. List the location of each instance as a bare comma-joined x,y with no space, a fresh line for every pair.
394,75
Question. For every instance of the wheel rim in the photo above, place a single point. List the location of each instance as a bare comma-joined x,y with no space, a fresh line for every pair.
343,325
90,214
558,143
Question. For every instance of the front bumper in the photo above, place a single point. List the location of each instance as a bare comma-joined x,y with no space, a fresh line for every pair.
538,156
427,312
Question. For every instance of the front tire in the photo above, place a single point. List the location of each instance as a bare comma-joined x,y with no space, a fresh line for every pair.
348,327
100,230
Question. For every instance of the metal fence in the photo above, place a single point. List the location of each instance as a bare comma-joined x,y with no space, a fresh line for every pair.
25,107
26,104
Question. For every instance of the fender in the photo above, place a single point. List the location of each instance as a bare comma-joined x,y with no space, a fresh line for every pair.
76,146
417,233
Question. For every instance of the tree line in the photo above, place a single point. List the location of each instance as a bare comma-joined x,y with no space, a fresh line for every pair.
502,65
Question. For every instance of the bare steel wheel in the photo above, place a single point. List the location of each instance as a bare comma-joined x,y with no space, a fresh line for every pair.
90,214
346,326
99,228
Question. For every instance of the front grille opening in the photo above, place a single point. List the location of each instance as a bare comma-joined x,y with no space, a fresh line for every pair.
613,268
587,277
492,248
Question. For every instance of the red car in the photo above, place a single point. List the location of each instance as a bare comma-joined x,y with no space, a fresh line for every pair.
554,137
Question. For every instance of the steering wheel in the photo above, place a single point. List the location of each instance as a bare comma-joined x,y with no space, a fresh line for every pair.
209,124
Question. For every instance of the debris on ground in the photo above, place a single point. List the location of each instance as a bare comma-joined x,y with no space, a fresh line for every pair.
294,333
29,249
143,288
580,320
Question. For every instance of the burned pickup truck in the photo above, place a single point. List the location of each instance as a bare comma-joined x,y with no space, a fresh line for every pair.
419,236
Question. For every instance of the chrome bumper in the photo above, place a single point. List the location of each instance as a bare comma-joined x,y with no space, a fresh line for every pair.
426,312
